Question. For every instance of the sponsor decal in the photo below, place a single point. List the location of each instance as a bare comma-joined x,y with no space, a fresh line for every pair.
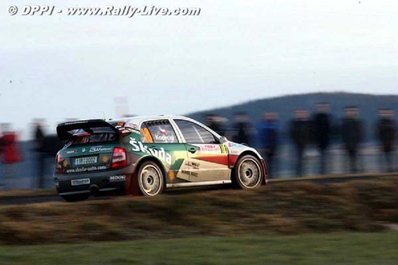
117,178
70,152
209,147
85,169
84,150
99,148
163,135
235,149
192,164
188,172
138,146
165,138
224,149
76,182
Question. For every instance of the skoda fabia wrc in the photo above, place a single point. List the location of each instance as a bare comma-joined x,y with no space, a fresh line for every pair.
145,155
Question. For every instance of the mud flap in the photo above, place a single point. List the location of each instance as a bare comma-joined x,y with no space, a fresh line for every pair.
131,186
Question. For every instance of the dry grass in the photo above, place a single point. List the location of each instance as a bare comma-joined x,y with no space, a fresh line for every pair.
287,208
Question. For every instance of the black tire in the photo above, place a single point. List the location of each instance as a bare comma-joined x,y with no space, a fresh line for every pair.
247,173
150,179
76,197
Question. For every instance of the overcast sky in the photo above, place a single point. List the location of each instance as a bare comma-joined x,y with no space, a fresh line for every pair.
60,67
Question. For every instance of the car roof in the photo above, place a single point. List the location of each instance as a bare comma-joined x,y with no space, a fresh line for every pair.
135,121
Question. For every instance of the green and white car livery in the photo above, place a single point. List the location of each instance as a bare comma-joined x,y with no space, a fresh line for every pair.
146,154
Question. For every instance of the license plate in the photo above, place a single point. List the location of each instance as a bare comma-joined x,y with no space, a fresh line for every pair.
76,182
86,160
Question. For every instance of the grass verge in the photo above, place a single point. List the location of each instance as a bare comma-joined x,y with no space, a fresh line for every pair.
288,208
308,249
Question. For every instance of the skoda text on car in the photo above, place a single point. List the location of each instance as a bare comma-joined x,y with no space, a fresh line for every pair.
148,154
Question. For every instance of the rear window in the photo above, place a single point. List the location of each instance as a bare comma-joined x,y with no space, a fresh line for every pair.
159,131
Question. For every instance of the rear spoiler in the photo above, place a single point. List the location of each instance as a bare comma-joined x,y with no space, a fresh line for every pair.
64,129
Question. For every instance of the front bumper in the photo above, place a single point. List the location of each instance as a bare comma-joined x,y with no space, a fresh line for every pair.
93,182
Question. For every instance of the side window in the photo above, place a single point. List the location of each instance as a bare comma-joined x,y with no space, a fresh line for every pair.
195,134
159,131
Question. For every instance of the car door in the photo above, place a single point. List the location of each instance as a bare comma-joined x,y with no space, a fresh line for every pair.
207,158
162,142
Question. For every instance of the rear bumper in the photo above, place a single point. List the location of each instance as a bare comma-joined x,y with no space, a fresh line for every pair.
93,182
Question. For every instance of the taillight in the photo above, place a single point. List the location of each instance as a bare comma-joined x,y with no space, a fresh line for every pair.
58,163
119,157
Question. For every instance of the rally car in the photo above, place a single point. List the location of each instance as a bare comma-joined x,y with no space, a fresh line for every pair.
145,155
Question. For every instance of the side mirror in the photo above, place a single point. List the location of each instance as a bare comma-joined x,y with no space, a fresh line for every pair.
223,139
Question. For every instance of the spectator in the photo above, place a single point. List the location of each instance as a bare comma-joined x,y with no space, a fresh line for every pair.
242,129
322,132
11,153
215,123
386,132
1,155
300,131
39,148
352,135
268,139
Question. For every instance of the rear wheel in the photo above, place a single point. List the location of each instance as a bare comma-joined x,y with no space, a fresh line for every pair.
76,197
150,179
248,173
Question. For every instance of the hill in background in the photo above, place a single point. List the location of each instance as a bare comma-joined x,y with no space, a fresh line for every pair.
285,105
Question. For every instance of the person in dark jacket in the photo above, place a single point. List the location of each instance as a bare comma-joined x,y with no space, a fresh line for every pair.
386,131
241,129
322,132
39,148
352,135
300,132
46,147
268,133
214,122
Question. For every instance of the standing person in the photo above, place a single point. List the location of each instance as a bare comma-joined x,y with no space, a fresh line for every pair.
352,135
242,129
41,155
386,130
214,122
322,132
11,152
268,133
300,131
1,155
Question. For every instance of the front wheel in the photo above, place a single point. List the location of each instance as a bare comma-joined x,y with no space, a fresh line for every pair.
150,179
248,173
